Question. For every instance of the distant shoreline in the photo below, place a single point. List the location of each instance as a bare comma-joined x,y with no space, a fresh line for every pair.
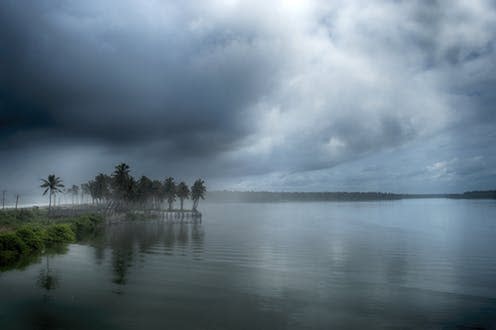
227,196
266,196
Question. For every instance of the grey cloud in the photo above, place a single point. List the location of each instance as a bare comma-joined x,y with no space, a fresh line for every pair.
290,91
69,73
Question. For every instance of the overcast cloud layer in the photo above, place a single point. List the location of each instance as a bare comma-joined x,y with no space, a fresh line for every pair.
276,95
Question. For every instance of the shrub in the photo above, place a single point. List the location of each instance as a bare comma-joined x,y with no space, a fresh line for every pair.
10,241
32,236
11,247
59,233
86,224
7,218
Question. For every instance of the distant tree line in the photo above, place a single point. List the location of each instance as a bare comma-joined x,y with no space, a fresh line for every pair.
120,191
266,196
488,194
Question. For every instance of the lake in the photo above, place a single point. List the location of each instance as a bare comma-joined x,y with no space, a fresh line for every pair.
426,263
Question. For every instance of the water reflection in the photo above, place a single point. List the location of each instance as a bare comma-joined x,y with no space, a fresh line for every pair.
169,239
278,266
147,235
397,268
22,263
183,235
198,239
147,238
122,243
121,261
47,278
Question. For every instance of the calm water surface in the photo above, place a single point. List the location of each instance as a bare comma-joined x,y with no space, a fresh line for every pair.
401,264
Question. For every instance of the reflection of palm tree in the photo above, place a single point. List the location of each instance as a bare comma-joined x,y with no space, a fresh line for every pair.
169,236
197,237
182,236
47,279
53,184
120,264
197,233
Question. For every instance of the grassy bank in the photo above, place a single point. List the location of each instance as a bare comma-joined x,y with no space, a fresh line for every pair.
27,232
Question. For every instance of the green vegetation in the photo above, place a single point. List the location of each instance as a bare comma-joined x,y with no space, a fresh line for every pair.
29,232
86,224
33,236
11,247
59,233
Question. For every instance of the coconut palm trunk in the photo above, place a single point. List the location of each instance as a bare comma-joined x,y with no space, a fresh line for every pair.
182,192
49,203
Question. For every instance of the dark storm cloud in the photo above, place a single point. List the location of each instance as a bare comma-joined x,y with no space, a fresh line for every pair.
69,74
283,92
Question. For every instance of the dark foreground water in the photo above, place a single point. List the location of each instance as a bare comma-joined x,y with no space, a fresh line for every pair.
402,264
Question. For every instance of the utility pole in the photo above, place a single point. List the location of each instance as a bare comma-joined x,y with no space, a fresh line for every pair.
17,201
3,200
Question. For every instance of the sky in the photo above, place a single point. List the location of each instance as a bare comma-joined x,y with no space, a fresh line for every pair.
280,95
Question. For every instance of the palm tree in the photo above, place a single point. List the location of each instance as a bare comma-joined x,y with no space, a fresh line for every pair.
85,190
157,193
121,179
53,184
100,187
144,190
170,191
198,191
74,191
182,192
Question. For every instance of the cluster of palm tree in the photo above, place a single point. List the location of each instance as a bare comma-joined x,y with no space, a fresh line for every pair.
120,191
